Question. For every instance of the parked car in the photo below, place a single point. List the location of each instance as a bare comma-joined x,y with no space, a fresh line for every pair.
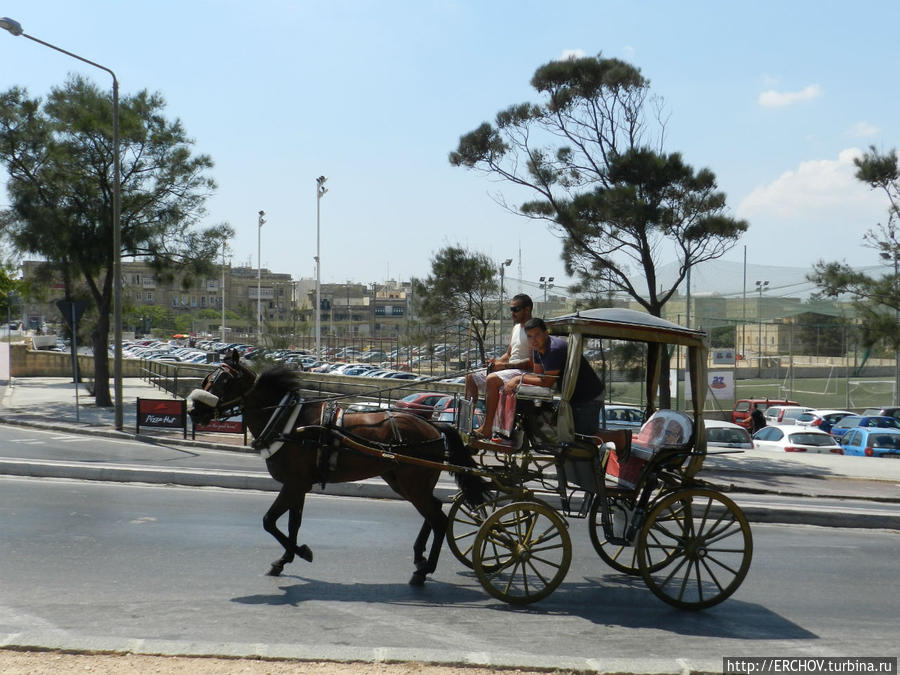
421,403
889,412
721,434
784,414
621,417
853,421
402,376
740,414
822,420
791,438
445,411
869,442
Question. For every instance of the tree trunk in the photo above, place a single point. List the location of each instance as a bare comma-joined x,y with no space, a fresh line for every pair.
665,391
100,340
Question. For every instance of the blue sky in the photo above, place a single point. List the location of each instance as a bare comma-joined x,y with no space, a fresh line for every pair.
775,97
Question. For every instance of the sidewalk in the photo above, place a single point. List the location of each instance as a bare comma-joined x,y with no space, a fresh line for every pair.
49,403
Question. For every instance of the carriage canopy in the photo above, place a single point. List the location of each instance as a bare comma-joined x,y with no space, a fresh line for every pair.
627,324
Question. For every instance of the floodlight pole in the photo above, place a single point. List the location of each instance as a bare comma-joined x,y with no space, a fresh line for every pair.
320,192
760,287
15,28
259,279
506,263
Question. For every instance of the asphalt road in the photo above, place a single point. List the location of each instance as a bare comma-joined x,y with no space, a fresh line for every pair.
89,565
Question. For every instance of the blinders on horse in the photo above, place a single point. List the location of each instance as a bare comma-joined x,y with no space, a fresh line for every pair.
219,379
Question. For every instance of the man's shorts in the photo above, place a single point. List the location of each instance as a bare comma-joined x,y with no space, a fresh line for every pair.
479,377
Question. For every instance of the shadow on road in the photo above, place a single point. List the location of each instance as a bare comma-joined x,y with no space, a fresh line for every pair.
613,600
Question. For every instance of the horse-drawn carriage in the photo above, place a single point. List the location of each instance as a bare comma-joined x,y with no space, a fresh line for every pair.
647,514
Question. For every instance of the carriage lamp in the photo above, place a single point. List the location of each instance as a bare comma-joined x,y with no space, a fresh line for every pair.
15,28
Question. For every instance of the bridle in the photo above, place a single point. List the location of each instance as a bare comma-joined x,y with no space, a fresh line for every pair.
221,409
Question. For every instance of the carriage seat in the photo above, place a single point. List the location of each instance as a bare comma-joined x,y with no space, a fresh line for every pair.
535,393
666,430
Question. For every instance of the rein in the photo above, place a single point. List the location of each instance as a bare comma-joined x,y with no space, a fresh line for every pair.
351,442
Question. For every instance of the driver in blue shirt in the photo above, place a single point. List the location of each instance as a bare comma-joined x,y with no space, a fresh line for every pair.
549,356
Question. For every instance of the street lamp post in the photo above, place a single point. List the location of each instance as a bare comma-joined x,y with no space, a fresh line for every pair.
760,287
15,28
224,250
546,283
320,192
506,263
259,279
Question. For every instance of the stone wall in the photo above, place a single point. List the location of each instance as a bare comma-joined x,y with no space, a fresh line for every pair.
24,362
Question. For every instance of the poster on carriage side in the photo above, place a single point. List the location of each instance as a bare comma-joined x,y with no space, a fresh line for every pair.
719,386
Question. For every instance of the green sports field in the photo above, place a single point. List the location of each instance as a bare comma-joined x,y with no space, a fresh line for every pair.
854,393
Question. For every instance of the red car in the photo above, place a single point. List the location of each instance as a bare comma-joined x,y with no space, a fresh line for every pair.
743,407
421,404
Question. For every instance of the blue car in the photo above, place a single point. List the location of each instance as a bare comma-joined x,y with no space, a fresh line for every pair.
872,442
841,427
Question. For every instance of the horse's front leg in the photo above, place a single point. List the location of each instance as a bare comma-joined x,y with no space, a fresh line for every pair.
291,502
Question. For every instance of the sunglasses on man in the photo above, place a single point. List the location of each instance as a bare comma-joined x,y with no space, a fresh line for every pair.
516,309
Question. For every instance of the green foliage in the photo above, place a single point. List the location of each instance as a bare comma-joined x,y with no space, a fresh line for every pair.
9,291
59,156
601,180
587,154
722,336
461,288
876,299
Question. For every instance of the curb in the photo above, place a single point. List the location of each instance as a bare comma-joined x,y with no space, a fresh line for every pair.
373,488
231,480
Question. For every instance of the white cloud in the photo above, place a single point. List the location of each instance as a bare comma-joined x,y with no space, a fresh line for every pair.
778,99
816,211
862,130
812,188
628,51
572,54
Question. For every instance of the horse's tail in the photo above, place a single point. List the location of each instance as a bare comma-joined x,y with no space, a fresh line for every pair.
475,489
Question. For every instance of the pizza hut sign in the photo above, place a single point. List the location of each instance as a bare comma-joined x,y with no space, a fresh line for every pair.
166,413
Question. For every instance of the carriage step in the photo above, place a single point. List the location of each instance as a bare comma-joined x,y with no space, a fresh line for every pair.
497,443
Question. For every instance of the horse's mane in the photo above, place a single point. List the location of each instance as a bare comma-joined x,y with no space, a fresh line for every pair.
278,378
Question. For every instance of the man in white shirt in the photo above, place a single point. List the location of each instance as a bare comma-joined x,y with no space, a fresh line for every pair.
515,361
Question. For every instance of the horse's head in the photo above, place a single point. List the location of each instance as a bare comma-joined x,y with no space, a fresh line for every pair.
222,391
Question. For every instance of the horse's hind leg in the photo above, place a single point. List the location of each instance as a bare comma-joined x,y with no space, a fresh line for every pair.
288,501
419,546
436,524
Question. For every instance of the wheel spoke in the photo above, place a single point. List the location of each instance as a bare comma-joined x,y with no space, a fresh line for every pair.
535,552
708,542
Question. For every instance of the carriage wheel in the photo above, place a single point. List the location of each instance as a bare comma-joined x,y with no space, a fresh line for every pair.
621,557
464,522
695,548
522,552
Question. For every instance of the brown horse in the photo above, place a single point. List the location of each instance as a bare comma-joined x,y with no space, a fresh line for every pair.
303,445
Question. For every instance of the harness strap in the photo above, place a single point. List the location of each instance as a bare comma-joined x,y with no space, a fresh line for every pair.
354,444
392,418
279,426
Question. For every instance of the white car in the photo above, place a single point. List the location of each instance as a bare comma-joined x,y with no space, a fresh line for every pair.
822,420
793,438
721,434
622,417
784,414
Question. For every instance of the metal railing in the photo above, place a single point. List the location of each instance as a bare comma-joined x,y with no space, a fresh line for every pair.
177,379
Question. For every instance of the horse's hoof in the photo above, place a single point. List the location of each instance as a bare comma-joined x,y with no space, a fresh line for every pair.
417,579
275,571
305,552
